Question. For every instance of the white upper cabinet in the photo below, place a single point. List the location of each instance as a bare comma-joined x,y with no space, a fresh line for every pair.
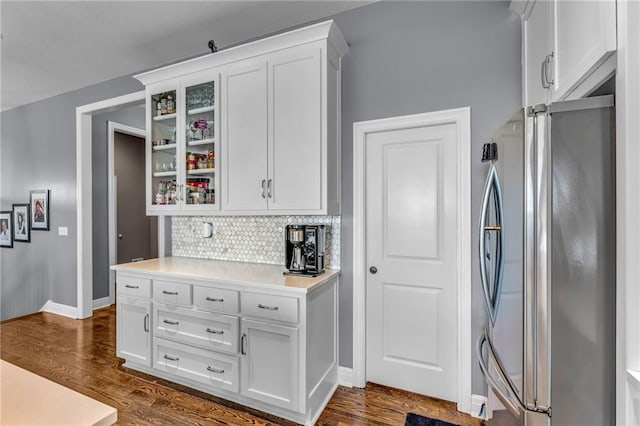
564,43
244,126
537,37
585,36
271,128
296,154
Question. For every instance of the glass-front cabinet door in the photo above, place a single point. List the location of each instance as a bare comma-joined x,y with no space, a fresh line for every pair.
163,161
200,133
183,161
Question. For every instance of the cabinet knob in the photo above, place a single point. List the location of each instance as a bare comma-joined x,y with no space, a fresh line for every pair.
373,270
119,236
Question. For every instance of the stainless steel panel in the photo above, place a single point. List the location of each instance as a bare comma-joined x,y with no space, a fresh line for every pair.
582,104
529,260
506,333
583,267
542,351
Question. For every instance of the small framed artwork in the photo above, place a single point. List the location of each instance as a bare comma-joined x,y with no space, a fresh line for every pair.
40,210
6,235
21,221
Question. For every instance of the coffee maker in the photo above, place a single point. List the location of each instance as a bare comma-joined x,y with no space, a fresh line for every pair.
304,249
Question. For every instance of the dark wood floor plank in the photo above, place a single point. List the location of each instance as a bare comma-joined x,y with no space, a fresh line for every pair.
81,356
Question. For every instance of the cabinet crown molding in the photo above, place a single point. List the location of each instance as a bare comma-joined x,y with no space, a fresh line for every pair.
317,32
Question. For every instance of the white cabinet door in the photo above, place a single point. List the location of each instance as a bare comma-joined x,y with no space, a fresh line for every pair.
270,363
295,136
133,332
244,130
537,33
585,36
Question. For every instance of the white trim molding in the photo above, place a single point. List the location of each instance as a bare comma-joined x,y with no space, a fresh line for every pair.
627,213
59,309
461,118
102,303
84,242
345,376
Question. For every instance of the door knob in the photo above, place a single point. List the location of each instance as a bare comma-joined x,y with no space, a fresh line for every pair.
119,236
373,270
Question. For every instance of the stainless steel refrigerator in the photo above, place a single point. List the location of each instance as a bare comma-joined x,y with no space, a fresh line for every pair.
547,259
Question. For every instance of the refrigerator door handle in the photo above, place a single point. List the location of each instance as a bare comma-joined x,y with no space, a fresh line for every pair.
510,397
507,393
492,290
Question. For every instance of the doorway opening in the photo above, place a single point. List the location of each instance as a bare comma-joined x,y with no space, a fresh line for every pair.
133,235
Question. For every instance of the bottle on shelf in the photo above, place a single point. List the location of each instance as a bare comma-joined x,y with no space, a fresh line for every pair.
160,193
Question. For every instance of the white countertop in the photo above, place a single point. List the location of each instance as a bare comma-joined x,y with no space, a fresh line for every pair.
252,274
28,399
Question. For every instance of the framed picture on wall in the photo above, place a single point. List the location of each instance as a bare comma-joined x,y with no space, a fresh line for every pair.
21,221
39,210
6,235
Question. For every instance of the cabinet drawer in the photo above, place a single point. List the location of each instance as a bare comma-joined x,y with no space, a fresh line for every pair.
209,368
278,308
203,329
133,286
215,299
171,292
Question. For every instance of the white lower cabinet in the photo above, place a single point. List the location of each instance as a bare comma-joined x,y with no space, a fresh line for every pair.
270,363
249,345
134,330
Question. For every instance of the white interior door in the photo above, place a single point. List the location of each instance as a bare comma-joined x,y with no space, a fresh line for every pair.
411,240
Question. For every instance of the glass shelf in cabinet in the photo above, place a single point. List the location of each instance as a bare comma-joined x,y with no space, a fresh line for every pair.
164,174
164,147
209,171
165,117
198,142
201,110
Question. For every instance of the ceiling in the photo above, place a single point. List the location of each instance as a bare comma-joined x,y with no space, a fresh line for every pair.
52,47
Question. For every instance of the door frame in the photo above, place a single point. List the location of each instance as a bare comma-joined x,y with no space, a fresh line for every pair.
112,128
461,118
84,208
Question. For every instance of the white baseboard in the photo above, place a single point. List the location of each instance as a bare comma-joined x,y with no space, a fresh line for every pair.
60,309
345,376
101,303
479,407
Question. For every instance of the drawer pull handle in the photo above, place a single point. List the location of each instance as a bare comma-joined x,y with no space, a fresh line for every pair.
212,299
171,322
269,308
131,286
172,293
209,330
170,358
214,370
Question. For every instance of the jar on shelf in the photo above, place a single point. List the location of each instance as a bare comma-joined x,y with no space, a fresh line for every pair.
171,105
192,161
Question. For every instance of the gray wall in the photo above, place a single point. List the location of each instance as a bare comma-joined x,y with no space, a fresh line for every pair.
132,116
37,151
404,58
413,57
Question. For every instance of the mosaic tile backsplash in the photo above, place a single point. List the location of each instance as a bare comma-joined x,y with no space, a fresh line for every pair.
257,239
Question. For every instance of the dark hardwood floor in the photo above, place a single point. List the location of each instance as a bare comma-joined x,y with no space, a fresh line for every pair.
81,355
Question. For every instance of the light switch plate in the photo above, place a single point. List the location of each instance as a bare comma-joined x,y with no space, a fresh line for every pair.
63,231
